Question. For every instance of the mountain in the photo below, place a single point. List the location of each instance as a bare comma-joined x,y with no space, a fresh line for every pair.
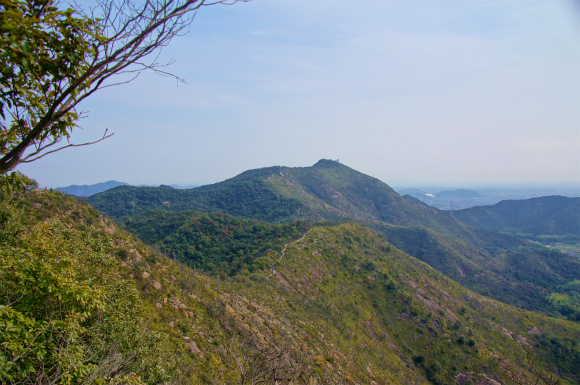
336,305
326,191
498,265
551,215
88,190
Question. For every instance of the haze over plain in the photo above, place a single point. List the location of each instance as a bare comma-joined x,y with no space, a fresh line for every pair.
446,92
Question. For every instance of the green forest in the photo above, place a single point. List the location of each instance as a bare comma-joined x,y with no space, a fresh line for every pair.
217,243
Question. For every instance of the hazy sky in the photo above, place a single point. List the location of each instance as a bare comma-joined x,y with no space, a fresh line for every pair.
424,91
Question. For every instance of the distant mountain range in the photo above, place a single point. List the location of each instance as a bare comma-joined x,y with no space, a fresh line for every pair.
457,199
88,190
552,215
501,266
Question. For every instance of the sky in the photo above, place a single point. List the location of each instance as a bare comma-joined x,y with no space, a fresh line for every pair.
412,92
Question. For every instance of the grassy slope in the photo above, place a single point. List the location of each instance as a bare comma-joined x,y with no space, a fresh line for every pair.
348,307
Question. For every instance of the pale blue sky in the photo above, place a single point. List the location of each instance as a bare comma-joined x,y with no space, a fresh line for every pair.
448,92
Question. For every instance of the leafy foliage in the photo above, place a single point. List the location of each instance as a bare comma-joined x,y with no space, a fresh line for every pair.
66,316
44,52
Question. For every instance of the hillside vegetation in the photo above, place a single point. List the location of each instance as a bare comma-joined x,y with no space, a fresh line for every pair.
214,242
341,305
498,265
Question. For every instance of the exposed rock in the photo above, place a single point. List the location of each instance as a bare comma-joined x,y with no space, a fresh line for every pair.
485,380
504,331
138,256
195,350
372,331
156,285
522,340
171,324
477,379
165,300
405,316
146,275
408,281
285,285
436,325
158,305
315,274
535,330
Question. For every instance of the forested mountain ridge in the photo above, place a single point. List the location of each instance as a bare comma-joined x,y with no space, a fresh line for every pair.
326,191
501,266
339,306
551,215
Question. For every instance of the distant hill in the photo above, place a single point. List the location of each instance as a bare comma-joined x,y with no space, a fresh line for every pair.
484,261
551,215
88,190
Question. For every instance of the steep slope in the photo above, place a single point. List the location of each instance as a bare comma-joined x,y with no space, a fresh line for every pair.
482,260
340,305
552,215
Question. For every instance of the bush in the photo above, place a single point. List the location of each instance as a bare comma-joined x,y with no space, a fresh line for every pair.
68,317
319,360
436,367
419,360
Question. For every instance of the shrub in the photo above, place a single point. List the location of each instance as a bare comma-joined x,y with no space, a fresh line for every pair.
319,360
69,316
436,367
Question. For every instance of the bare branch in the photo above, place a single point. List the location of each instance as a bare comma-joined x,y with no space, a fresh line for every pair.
30,157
